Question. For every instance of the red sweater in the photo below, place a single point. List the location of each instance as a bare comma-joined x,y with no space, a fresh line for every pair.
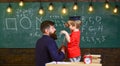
73,46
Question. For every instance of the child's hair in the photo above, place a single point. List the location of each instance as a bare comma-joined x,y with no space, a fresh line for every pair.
76,23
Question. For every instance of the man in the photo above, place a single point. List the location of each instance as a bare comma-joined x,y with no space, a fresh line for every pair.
46,47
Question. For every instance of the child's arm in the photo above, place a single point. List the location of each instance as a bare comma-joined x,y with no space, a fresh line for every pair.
66,35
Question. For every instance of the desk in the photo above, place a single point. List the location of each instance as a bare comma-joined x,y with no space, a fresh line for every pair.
72,64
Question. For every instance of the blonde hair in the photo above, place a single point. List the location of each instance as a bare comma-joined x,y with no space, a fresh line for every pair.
75,23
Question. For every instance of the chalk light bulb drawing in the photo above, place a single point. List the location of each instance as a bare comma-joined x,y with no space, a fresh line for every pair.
21,3
50,8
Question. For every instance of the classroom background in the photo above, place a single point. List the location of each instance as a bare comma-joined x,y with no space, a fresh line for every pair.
20,20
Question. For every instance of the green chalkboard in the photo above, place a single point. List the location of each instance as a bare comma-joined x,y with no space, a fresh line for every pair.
20,29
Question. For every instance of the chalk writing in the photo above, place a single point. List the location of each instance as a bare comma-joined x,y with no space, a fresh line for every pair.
24,12
91,27
95,40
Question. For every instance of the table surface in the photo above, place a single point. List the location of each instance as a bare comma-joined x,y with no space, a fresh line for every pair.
72,64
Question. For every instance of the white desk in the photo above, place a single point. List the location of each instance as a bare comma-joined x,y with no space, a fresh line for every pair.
72,64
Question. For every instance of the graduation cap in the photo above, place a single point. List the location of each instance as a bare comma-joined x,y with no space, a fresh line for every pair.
74,18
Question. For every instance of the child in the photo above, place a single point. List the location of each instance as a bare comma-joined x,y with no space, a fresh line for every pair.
73,49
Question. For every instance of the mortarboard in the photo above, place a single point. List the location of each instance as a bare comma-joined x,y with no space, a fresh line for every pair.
74,18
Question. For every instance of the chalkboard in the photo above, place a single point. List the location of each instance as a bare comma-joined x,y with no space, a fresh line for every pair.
20,29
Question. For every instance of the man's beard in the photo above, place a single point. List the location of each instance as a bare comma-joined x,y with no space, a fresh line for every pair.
53,35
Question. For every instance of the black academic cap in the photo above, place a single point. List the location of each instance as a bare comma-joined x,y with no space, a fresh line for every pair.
74,18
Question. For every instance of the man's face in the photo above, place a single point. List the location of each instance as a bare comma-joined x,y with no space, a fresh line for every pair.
52,32
52,29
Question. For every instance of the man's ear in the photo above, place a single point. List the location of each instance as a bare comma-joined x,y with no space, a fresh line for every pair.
46,30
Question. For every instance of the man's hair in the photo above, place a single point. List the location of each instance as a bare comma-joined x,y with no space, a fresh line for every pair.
45,25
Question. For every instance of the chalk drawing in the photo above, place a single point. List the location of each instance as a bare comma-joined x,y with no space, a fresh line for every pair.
23,22
63,23
38,21
24,12
93,39
90,19
98,19
100,28
83,39
11,24
91,28
83,28
35,34
87,39
103,38
91,25
98,39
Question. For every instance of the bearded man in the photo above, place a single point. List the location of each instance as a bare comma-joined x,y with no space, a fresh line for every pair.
46,49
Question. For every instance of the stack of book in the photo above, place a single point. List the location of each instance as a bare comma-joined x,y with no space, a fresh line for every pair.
96,58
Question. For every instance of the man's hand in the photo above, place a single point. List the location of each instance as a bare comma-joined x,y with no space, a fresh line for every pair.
63,49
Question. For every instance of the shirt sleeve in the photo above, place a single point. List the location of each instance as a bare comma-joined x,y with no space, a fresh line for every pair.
53,50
